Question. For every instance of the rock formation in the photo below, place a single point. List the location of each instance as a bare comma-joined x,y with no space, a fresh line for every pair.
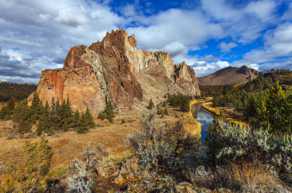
229,76
115,70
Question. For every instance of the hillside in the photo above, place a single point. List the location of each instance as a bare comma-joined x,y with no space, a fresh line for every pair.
238,96
229,76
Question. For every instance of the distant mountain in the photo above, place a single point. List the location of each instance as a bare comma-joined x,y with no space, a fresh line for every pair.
229,76
15,91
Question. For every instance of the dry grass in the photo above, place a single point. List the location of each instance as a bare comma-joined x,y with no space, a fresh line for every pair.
70,145
211,108
111,137
252,175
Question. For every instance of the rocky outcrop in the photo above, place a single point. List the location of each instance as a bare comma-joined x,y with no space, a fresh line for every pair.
115,70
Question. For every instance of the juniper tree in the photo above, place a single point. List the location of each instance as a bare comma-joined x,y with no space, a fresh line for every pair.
7,111
36,107
88,119
108,112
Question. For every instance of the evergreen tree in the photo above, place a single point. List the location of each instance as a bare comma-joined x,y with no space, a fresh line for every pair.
278,109
22,117
108,112
7,111
150,105
88,119
36,107
76,118
45,122
86,122
66,116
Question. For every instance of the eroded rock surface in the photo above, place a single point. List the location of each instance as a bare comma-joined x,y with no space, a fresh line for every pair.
115,70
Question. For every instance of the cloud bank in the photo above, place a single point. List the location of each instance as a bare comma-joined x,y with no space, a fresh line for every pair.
37,34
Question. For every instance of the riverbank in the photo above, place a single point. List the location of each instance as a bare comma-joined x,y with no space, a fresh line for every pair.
228,114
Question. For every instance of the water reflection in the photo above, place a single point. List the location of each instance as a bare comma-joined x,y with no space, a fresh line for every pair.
205,118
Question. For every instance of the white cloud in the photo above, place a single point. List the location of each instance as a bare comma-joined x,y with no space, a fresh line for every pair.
37,34
175,27
219,9
262,9
203,66
226,47
244,23
129,10
278,43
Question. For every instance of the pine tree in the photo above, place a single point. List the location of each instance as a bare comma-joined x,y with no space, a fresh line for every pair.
86,122
7,111
88,119
22,117
108,112
76,118
150,105
45,122
36,107
278,109
67,116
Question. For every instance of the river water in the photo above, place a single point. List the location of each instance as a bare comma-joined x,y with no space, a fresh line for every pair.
205,118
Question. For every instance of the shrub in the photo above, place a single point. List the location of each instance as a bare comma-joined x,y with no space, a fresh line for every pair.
32,174
163,155
180,101
228,143
271,110
7,111
108,112
83,175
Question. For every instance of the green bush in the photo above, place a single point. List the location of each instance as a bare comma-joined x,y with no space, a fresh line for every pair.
180,101
7,111
270,109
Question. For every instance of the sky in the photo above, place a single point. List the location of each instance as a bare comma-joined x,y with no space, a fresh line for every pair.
206,34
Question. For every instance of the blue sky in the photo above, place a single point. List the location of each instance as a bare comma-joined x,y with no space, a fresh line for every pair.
207,34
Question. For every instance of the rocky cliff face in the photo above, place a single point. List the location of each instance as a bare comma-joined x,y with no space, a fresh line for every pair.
115,70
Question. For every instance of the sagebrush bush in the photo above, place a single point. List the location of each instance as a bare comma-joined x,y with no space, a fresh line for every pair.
163,155
83,174
229,143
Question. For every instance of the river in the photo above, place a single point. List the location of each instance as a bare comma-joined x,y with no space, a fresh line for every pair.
205,118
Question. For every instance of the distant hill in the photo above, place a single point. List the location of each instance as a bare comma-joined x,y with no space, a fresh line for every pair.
229,76
14,90
263,81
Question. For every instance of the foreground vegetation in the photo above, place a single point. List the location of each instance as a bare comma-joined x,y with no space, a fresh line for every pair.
165,160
